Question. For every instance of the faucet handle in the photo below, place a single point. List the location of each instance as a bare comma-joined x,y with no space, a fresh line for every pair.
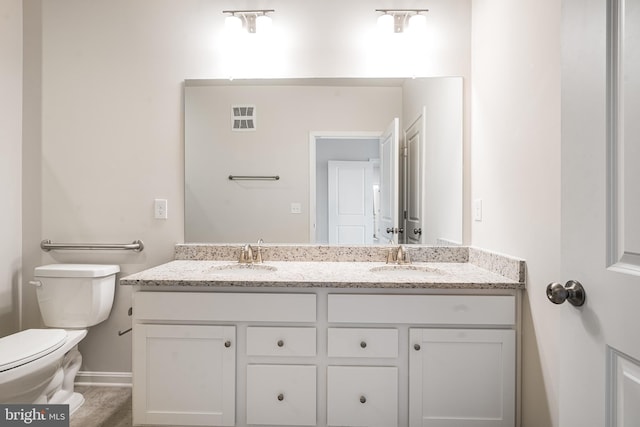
246,255
406,259
390,256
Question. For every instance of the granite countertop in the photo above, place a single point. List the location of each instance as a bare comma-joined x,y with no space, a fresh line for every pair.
479,270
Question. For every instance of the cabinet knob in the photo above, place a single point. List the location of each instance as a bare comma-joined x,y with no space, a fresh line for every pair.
281,397
227,344
416,347
363,399
363,344
280,343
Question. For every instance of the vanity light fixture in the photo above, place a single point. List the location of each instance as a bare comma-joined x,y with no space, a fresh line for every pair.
399,20
252,21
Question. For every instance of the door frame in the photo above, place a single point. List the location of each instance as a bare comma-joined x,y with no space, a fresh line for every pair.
316,137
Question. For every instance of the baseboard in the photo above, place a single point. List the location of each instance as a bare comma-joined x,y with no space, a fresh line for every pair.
113,379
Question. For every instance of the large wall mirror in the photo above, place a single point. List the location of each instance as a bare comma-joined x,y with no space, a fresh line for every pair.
337,161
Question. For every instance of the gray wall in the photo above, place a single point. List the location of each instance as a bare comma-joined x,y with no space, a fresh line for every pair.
10,163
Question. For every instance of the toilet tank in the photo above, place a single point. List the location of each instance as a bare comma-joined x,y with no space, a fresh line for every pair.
75,295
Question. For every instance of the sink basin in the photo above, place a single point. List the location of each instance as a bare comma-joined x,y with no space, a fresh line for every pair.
407,271
243,269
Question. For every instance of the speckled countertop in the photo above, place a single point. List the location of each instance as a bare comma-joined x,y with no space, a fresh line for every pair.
305,266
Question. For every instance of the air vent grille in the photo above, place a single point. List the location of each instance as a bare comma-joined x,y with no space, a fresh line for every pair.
243,118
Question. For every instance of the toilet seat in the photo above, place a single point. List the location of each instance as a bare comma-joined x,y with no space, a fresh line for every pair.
25,346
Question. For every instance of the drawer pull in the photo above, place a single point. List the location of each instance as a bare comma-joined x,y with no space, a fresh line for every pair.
363,344
280,343
416,347
227,344
281,397
363,399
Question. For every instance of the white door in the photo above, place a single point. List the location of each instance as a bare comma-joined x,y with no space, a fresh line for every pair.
414,141
600,340
389,179
350,202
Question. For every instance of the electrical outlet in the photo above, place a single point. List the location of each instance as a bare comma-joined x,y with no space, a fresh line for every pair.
296,208
160,209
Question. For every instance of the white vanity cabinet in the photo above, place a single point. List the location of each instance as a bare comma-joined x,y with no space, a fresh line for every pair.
362,395
186,350
184,374
325,357
280,392
462,377
461,351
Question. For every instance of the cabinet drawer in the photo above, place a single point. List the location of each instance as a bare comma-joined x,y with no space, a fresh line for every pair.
281,395
263,341
219,306
423,309
362,396
362,342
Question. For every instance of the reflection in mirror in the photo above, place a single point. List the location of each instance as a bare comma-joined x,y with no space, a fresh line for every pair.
300,130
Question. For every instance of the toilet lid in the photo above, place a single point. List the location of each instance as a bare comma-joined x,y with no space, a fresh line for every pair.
28,345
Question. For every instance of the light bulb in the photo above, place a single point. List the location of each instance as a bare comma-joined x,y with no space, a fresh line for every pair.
263,24
385,23
233,24
418,24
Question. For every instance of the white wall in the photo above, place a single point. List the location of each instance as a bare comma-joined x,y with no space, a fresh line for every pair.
516,170
110,99
10,161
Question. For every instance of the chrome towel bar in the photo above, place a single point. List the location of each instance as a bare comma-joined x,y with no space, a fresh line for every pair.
254,177
47,245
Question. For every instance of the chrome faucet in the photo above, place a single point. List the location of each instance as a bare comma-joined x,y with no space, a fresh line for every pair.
398,255
246,254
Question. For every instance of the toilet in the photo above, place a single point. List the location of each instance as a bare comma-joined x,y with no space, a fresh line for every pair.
39,365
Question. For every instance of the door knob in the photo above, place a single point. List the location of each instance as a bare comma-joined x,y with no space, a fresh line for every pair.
395,230
572,291
417,231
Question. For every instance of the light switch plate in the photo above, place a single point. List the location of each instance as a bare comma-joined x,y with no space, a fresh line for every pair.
477,210
160,209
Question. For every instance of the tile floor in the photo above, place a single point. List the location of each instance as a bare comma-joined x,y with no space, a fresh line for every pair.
103,407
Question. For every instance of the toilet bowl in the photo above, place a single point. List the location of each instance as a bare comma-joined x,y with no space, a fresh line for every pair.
39,365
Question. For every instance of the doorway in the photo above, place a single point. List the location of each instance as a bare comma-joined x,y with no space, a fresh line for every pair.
336,146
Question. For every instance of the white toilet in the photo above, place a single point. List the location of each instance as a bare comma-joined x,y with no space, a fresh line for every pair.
40,365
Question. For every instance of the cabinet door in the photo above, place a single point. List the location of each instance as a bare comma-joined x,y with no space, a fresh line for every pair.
462,378
281,395
184,375
364,396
